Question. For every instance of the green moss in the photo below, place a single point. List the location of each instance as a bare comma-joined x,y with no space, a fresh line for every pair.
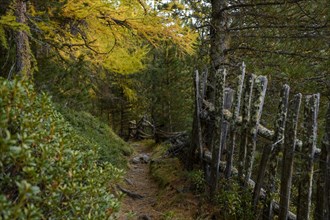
164,170
111,147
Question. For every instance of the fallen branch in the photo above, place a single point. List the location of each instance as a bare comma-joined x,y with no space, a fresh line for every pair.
130,194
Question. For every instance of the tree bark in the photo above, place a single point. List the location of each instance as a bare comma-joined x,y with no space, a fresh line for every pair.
220,37
23,52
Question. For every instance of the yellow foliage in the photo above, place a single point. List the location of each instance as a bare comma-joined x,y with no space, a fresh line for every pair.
9,21
114,34
92,93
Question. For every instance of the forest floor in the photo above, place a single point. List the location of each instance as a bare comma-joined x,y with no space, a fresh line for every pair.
171,201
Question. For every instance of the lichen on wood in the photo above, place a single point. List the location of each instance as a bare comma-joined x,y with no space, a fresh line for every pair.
322,208
256,110
268,163
220,78
288,155
311,110
247,91
234,122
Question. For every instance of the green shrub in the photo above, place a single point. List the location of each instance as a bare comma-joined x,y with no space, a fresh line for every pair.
47,170
235,201
197,180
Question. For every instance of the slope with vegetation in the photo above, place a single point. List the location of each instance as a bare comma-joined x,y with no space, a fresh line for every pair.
52,167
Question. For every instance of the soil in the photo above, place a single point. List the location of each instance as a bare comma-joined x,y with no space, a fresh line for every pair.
157,203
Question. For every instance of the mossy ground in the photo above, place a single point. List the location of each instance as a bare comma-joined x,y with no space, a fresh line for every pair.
112,148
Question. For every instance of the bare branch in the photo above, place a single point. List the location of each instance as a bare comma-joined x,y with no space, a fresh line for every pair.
279,52
258,4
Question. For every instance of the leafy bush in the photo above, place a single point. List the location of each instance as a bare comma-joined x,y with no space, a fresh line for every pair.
47,170
235,201
197,180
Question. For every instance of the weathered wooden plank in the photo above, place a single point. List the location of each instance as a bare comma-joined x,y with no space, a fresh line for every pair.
198,120
197,137
276,147
203,85
262,131
228,101
261,173
234,120
196,142
307,156
248,89
322,207
288,155
220,78
270,152
256,110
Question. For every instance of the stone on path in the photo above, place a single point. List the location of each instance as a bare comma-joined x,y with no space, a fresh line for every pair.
141,158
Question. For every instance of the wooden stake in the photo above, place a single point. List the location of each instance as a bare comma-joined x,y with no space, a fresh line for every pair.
288,155
322,207
256,110
234,122
307,156
216,148
248,88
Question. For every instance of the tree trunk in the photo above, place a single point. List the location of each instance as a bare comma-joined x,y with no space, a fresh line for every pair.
23,52
220,40
220,37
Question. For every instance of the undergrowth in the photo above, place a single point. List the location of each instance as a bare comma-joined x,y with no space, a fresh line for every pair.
164,170
234,201
49,168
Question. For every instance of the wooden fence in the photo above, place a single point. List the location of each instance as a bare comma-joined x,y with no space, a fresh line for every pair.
144,129
238,113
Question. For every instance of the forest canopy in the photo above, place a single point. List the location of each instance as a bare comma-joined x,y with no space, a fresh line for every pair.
114,35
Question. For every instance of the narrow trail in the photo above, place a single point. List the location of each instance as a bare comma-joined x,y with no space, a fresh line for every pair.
157,203
138,180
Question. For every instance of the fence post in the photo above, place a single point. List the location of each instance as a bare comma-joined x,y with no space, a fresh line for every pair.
225,127
322,208
233,122
270,153
220,78
258,101
198,115
246,106
196,139
288,154
203,84
307,156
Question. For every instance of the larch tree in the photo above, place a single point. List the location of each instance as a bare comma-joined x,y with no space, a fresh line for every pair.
23,51
115,35
83,52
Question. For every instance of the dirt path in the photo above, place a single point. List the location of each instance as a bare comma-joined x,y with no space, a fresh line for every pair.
138,180
157,203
